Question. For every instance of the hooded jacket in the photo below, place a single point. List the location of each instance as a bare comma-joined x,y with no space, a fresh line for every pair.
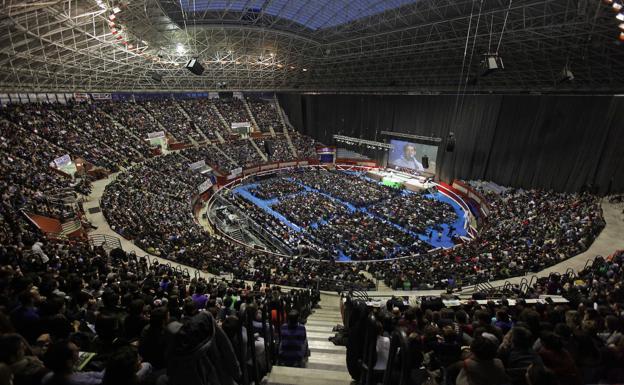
200,353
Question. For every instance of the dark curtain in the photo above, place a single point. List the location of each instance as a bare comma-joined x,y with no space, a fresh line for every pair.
551,142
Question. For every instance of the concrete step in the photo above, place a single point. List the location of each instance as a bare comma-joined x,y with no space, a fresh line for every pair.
281,375
325,323
320,335
325,318
332,311
338,358
326,346
320,328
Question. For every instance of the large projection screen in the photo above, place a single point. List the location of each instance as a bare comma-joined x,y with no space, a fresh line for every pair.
412,156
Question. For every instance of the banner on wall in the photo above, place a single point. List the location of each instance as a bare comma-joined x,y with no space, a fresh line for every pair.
156,134
236,171
197,165
240,125
101,96
81,96
62,161
204,186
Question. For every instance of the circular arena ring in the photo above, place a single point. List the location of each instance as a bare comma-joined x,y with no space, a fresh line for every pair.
343,213
311,232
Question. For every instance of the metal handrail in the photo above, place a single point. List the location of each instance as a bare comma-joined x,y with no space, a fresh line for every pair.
107,241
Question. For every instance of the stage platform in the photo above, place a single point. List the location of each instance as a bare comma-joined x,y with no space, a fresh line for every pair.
399,179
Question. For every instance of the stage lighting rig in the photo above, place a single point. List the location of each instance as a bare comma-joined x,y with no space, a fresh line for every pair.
362,142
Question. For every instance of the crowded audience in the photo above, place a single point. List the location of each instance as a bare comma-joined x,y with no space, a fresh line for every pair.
346,187
233,110
203,114
173,119
304,145
275,188
67,126
130,115
276,149
577,339
309,209
415,212
265,114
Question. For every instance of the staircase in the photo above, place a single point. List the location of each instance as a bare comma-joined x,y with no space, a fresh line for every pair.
219,137
272,131
188,118
121,127
182,110
251,116
327,364
280,112
238,235
70,227
262,154
290,143
228,128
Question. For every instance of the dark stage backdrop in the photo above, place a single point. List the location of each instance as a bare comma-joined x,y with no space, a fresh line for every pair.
550,142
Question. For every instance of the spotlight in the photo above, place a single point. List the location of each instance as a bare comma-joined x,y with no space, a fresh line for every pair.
491,63
621,36
617,7
620,16
116,10
622,26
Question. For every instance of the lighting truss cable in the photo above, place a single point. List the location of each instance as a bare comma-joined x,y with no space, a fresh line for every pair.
500,40
474,42
461,76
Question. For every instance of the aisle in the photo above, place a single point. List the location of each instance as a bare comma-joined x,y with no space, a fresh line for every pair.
327,362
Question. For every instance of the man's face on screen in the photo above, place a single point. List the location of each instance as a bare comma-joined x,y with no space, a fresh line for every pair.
409,151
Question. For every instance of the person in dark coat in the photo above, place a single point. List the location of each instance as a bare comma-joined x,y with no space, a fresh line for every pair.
355,339
200,353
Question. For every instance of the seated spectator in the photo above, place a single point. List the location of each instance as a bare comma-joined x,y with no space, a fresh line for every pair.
482,367
559,360
153,341
25,367
61,359
293,348
125,367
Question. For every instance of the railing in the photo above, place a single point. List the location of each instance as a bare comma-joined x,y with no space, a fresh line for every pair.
108,242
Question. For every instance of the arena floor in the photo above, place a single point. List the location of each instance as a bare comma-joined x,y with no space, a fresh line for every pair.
444,241
609,240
